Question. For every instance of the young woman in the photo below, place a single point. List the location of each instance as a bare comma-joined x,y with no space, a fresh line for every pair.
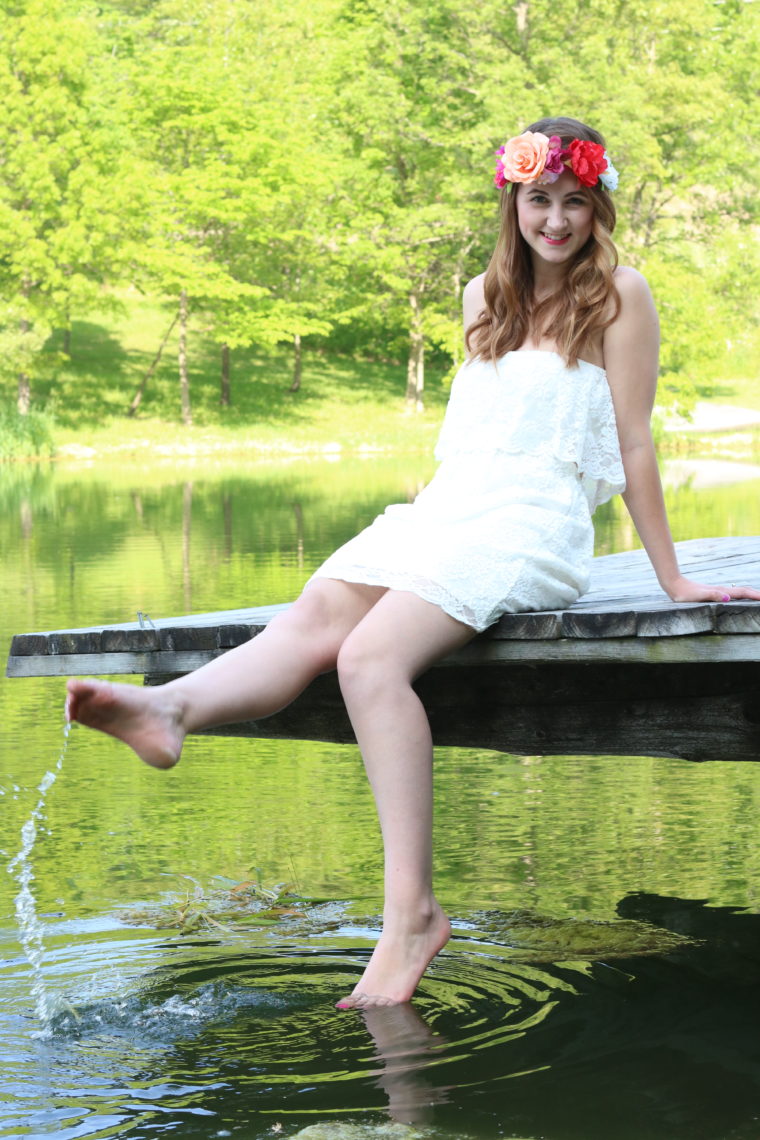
547,418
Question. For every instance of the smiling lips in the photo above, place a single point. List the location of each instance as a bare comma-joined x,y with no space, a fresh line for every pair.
555,239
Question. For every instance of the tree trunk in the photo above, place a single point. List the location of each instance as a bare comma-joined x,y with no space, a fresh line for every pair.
415,368
67,340
297,363
137,398
184,382
224,397
24,397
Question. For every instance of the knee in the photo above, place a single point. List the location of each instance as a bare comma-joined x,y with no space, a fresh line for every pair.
364,667
312,619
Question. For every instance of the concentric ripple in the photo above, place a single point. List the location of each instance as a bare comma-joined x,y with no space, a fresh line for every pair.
239,1035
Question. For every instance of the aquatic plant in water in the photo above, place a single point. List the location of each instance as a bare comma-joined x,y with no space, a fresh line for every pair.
234,906
537,938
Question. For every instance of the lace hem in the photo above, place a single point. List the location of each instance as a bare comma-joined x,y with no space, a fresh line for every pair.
424,588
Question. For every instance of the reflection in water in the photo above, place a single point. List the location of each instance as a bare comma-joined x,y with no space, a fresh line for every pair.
217,1034
298,515
187,522
407,1049
573,1027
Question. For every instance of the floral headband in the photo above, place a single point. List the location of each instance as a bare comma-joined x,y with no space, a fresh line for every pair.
533,157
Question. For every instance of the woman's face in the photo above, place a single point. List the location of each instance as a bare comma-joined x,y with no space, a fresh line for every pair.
555,220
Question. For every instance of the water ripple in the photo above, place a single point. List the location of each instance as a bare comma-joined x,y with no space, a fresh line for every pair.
240,1033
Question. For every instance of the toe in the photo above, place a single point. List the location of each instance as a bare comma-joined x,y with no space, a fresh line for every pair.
360,1000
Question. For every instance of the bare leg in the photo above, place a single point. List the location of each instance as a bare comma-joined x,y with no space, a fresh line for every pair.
381,640
251,681
398,639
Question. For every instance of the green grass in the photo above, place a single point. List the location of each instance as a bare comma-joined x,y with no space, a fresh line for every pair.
343,405
739,378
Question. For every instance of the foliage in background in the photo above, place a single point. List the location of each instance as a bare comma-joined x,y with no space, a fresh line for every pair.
318,174
25,436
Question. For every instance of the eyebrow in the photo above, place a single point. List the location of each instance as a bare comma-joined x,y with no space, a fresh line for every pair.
570,193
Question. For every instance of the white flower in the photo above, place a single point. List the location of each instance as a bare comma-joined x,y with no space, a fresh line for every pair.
609,177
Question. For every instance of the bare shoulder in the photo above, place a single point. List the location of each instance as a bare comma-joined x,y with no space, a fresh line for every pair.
637,316
474,288
473,299
632,287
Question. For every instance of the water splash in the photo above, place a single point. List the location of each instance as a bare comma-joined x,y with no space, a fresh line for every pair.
30,928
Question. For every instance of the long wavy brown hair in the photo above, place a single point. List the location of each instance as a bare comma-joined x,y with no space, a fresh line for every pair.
587,300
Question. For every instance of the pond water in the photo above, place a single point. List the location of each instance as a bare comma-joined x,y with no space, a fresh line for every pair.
603,982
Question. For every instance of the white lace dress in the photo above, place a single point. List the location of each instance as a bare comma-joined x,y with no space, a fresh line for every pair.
527,450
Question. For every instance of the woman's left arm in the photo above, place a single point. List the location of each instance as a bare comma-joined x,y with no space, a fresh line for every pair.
631,350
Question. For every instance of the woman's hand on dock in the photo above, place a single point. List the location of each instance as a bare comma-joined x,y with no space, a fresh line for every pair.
686,590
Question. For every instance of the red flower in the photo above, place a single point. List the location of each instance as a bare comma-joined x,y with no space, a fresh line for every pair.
587,161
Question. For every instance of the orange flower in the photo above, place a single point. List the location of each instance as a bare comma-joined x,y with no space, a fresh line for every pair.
524,157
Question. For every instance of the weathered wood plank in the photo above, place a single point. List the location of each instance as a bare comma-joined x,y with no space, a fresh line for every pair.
676,622
595,624
129,640
738,618
232,635
703,649
29,644
178,639
542,626
64,642
107,664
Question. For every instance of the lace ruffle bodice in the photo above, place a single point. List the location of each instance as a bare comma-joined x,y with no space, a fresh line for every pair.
531,403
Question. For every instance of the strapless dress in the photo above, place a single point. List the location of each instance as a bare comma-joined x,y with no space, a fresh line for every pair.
528,448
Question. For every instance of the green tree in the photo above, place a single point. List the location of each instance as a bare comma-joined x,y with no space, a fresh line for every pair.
61,186
667,82
412,114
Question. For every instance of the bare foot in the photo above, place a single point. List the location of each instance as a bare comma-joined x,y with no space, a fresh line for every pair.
403,953
143,718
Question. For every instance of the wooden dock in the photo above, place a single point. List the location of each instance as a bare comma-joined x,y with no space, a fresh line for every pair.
624,671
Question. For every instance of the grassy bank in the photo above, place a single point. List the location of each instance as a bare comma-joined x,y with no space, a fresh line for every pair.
344,405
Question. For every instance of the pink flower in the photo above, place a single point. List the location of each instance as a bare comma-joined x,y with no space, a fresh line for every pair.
524,157
555,161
